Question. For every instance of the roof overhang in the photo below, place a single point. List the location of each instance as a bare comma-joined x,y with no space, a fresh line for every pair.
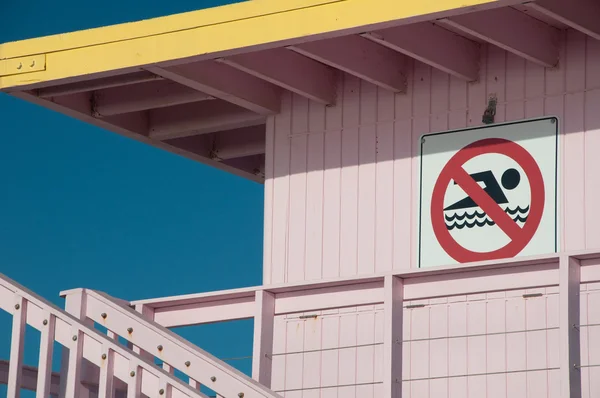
202,83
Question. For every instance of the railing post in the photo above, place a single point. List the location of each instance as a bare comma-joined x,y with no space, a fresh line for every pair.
148,313
75,304
570,356
263,337
44,379
392,346
15,366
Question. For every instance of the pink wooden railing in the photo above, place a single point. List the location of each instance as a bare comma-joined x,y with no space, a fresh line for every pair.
118,366
152,340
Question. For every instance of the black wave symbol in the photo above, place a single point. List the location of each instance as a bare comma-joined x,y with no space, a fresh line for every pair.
477,214
481,224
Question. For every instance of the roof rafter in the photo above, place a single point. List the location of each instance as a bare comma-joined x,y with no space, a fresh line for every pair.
434,46
359,57
290,71
527,37
226,83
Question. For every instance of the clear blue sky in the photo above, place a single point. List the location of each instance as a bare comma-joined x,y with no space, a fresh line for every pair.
84,207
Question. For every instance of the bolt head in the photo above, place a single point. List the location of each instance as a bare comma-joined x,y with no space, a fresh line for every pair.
241,395
161,391
17,306
45,322
213,378
187,363
103,356
159,348
132,373
129,330
103,315
74,338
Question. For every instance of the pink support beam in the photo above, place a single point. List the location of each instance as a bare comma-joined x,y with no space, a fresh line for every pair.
569,310
134,382
148,313
527,37
262,358
98,84
582,15
290,71
226,83
392,345
141,97
238,143
70,366
359,57
73,387
106,387
200,118
434,46
17,345
44,379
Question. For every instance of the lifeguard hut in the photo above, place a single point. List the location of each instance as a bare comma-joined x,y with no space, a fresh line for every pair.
431,197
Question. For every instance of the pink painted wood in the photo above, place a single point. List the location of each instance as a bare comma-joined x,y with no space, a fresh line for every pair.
357,147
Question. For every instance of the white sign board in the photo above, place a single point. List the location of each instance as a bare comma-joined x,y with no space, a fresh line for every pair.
488,193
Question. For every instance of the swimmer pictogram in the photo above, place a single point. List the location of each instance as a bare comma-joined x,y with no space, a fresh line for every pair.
510,180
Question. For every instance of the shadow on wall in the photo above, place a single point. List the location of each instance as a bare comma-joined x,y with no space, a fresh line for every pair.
371,125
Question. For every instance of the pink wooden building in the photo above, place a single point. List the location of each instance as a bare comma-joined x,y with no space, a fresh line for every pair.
335,106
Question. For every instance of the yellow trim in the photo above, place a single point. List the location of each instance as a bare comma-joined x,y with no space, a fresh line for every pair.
208,31
16,66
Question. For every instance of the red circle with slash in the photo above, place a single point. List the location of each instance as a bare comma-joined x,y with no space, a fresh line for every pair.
519,237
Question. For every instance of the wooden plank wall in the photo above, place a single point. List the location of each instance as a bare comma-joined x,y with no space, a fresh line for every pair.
340,195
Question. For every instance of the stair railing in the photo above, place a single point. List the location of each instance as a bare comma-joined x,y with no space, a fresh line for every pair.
116,363
152,341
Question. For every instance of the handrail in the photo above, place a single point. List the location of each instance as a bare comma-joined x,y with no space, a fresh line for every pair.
157,341
83,341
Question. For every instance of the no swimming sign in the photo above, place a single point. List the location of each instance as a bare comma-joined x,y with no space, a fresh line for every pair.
488,193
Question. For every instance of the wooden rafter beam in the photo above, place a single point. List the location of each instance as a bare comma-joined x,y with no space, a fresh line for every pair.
581,15
290,71
254,164
359,57
226,83
200,118
98,84
141,97
239,143
434,46
513,31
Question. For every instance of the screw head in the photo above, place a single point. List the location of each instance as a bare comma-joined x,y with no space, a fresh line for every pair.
129,330
74,338
161,391
103,315
132,373
213,378
159,348
17,306
103,356
241,395
187,363
45,322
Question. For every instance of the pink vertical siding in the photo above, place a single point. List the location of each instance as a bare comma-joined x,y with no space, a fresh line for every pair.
341,195
336,353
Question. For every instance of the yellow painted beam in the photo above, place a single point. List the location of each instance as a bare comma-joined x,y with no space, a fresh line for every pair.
210,33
